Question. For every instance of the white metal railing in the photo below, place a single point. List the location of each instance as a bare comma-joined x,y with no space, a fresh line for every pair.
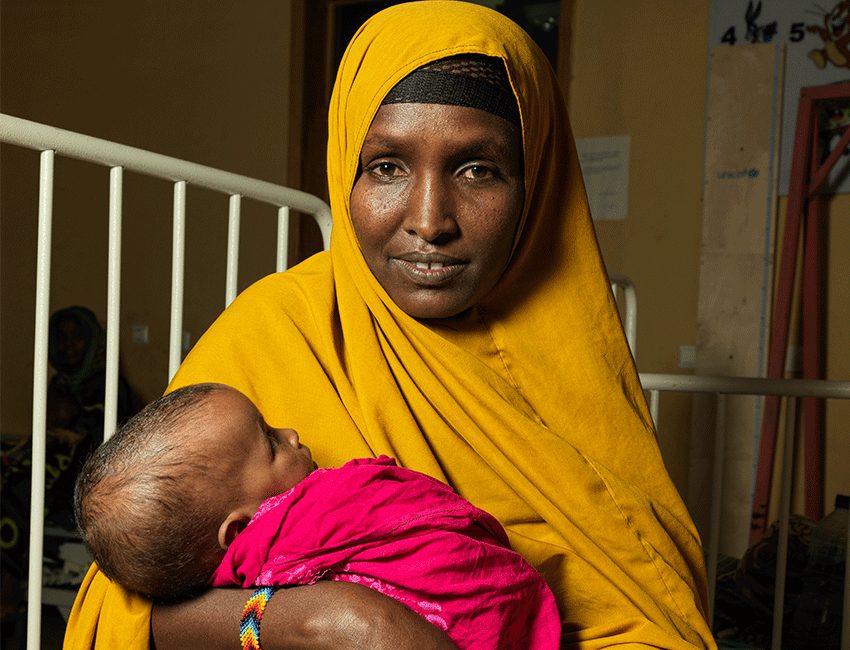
721,387
792,389
51,142
626,296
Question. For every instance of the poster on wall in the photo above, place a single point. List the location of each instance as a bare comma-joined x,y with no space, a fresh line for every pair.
816,36
605,167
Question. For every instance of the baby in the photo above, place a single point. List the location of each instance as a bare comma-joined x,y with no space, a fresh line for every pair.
198,490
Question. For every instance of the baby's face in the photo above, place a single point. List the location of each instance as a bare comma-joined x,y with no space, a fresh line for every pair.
265,461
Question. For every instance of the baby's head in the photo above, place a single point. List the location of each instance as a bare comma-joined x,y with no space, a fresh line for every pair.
159,503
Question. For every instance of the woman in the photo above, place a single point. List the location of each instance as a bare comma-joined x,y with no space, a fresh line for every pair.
461,323
75,394
75,398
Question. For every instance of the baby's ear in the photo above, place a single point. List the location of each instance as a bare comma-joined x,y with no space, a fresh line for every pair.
233,524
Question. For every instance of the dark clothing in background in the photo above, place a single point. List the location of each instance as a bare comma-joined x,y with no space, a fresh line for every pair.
75,406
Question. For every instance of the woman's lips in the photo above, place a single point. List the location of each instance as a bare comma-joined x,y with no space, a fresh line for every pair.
429,272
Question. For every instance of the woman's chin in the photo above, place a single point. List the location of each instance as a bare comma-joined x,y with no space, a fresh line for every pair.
433,303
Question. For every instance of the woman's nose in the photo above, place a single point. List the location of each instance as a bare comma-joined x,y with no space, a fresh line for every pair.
430,212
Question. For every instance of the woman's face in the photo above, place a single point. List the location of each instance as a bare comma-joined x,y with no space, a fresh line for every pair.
436,204
72,341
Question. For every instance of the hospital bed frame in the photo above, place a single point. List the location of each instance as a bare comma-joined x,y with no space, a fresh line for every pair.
52,142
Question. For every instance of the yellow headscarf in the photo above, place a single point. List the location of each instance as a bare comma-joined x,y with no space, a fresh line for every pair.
528,404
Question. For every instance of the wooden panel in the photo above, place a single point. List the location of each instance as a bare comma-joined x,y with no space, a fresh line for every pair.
736,265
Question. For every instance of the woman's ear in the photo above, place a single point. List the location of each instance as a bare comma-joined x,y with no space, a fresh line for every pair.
233,524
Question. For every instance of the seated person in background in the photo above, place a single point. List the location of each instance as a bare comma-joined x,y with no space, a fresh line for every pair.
75,394
197,489
75,403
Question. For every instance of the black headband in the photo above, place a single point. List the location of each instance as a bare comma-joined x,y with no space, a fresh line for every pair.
471,80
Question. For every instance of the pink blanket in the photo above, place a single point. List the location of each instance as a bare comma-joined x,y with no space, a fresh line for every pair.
405,535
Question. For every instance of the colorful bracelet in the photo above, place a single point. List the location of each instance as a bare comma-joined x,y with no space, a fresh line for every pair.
252,615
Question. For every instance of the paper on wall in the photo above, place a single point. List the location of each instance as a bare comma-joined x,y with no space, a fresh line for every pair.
605,167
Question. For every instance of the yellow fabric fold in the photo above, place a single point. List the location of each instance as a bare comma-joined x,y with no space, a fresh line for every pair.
106,617
528,404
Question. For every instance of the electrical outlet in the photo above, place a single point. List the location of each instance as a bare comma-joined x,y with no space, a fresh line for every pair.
139,334
687,356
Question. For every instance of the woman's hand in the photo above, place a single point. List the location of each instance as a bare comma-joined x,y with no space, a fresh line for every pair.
324,615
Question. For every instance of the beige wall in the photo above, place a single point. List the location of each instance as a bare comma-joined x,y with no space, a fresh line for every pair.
212,87
207,82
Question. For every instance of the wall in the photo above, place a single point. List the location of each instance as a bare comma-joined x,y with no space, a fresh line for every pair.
209,86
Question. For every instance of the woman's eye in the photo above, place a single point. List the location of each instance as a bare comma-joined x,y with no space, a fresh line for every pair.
477,172
384,170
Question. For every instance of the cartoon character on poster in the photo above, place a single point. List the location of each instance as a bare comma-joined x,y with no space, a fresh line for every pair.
816,38
835,34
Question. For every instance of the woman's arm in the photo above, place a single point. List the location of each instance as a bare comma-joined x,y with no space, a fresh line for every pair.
324,615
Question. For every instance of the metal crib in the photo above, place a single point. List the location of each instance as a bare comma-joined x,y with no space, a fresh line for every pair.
51,142
118,158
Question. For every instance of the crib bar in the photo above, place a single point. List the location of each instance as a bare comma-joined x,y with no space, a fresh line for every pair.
113,301
654,404
178,259
39,399
845,627
630,323
624,285
784,519
75,145
233,218
282,239
713,548
746,385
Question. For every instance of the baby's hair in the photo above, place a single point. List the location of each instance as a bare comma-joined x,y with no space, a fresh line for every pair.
144,522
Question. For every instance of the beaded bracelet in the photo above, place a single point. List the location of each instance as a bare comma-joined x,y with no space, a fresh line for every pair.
252,615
